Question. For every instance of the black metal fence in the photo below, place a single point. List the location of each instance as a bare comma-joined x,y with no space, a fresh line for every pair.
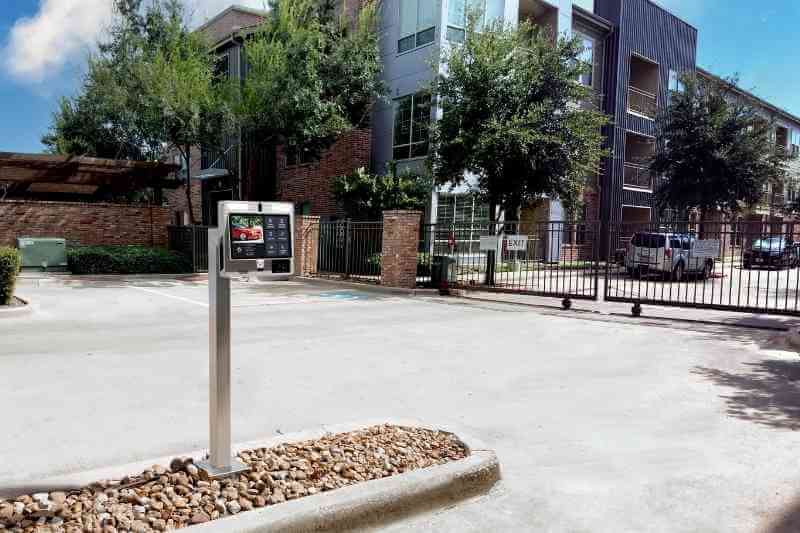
742,266
191,241
540,258
350,250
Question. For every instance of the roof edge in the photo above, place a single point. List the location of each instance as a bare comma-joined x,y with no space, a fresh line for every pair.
234,7
772,107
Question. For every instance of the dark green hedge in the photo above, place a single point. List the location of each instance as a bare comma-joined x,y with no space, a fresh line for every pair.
10,263
126,260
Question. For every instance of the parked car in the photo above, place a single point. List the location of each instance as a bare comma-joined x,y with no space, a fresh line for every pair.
777,252
246,233
670,255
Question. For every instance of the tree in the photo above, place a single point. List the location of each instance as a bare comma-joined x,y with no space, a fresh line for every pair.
511,117
311,76
187,104
365,196
150,88
103,118
716,151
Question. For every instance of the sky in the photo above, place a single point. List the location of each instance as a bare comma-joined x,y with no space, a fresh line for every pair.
45,44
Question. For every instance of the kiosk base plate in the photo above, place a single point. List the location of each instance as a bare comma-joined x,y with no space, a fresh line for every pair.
209,471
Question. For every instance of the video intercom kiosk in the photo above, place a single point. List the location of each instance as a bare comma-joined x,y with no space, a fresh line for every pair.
257,237
252,237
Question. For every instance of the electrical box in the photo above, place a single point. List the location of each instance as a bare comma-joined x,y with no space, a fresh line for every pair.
257,237
43,252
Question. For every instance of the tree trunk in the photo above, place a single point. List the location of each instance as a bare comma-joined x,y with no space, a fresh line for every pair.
188,157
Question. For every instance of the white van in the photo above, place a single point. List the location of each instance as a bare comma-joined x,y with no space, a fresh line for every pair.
670,255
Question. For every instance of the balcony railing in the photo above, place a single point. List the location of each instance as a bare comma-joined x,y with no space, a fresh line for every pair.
638,176
642,102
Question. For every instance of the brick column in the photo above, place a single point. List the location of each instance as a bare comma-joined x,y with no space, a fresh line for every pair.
400,244
306,245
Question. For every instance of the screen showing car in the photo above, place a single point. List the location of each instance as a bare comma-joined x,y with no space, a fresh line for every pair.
260,236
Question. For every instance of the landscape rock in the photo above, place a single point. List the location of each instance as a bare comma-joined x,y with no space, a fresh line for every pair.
161,499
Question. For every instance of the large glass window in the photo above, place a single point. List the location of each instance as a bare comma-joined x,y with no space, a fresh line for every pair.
796,143
417,23
412,116
587,57
675,82
457,11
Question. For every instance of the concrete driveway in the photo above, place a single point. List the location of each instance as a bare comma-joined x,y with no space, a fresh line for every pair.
599,426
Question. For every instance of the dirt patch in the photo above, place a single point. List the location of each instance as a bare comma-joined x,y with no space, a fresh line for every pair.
168,498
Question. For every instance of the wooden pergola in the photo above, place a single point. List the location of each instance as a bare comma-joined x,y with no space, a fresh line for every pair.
44,173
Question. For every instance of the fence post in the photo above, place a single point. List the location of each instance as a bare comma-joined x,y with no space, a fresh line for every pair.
306,245
399,249
348,241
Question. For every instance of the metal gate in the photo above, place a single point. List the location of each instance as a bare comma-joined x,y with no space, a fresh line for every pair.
191,241
558,259
350,250
736,266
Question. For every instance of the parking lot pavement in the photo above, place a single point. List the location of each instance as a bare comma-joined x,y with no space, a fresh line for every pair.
598,426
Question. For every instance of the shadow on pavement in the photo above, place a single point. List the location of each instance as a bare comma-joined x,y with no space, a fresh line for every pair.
789,521
766,392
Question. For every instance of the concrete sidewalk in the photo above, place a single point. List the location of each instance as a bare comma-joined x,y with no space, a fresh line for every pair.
602,423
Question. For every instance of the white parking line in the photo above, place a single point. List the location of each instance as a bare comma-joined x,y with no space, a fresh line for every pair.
167,295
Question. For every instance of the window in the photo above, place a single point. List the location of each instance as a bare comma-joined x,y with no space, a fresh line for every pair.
796,143
417,24
457,11
222,68
297,155
587,57
675,83
412,115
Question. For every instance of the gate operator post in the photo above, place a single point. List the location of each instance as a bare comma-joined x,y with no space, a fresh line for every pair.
251,237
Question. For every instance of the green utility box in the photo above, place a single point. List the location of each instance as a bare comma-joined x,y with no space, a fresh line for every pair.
43,252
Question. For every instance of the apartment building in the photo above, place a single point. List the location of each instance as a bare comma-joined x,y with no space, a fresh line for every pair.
638,51
786,138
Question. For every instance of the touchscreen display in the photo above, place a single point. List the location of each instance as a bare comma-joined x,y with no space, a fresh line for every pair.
257,236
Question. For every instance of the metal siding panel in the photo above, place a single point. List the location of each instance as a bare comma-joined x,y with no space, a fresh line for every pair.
647,29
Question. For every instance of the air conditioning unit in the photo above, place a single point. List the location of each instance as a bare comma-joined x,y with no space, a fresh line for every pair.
43,252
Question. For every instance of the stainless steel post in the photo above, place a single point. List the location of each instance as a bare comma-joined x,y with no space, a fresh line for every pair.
220,462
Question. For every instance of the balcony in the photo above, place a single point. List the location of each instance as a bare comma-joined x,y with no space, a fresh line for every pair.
637,176
642,103
643,85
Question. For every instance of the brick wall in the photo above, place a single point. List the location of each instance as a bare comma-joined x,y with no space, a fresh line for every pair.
400,245
82,223
306,245
232,21
312,182
176,198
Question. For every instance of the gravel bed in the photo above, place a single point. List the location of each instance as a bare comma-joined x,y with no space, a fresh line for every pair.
163,498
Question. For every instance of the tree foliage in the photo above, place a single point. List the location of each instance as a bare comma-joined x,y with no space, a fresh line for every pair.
716,152
312,74
150,88
365,196
511,117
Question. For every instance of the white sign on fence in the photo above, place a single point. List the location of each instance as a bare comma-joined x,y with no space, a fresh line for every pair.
488,243
706,248
516,243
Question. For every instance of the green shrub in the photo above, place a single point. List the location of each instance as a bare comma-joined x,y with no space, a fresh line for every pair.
126,260
10,263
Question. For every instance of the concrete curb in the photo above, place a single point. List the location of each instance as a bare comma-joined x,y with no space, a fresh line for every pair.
368,287
17,311
365,504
